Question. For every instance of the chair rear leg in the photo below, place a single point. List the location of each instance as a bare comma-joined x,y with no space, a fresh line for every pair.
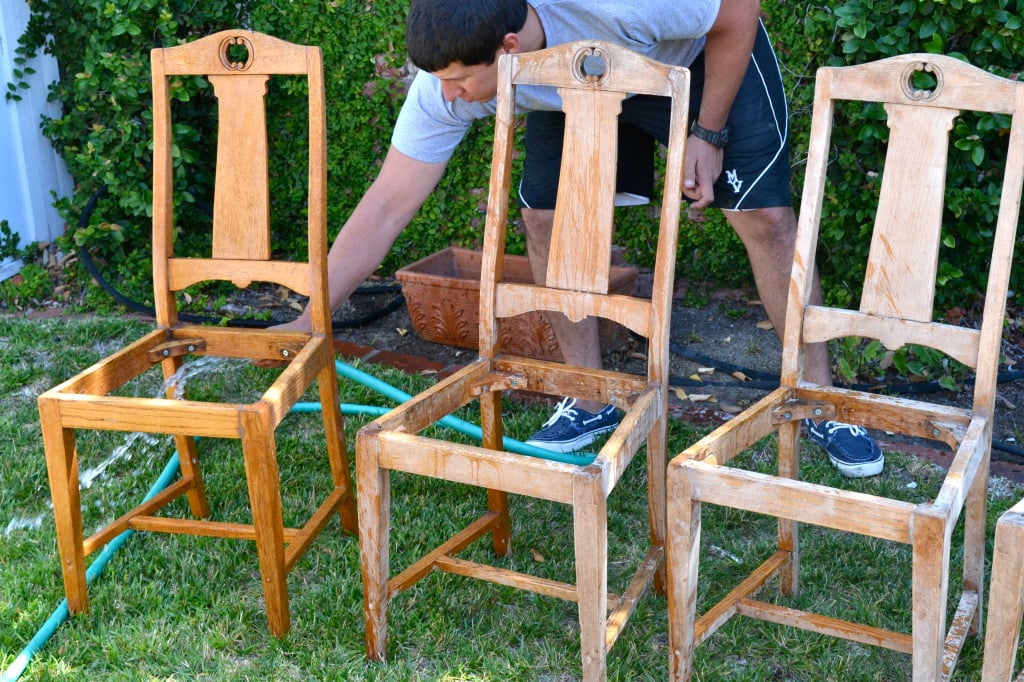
1006,600
188,460
337,451
188,456
656,448
62,470
374,504
789,531
497,500
590,526
975,512
263,480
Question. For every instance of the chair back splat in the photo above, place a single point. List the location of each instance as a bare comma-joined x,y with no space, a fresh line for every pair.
239,65
922,97
593,78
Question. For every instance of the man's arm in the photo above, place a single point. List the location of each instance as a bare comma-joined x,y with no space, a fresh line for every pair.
399,191
726,57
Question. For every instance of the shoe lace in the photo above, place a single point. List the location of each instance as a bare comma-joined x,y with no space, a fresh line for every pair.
854,429
564,407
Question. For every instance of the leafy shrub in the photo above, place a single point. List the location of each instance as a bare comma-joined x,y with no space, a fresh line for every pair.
9,241
104,131
986,34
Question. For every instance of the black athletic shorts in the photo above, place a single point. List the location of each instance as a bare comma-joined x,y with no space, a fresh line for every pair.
755,168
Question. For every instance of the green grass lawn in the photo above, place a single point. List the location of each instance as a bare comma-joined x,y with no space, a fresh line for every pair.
183,608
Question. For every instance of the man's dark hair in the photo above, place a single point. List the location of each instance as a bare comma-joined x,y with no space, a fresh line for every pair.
441,32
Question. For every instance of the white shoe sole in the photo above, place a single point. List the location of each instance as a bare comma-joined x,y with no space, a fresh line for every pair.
570,446
858,470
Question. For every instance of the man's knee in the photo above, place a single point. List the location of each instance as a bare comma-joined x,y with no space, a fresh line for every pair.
774,226
538,221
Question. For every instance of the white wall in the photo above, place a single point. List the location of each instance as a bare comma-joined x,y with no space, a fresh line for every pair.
30,169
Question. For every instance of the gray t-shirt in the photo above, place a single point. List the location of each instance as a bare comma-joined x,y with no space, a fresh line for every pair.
669,31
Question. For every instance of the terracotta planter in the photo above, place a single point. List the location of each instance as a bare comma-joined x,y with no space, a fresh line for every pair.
442,292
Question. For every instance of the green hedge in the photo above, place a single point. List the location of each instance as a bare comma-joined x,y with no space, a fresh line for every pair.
102,48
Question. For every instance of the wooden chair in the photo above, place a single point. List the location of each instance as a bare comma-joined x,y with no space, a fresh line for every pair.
895,308
238,64
1006,598
593,78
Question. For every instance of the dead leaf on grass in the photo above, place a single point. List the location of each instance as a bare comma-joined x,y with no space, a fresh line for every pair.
765,325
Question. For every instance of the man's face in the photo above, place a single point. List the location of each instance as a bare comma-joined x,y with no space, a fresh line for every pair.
477,83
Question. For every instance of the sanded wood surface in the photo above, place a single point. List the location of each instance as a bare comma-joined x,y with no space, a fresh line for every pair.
1006,601
896,307
593,78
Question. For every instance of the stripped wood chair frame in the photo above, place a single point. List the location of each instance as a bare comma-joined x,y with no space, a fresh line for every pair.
238,64
896,307
593,78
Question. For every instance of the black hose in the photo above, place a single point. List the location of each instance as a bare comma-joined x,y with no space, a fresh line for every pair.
86,259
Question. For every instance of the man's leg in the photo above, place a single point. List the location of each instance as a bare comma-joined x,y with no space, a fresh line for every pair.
575,423
578,341
769,235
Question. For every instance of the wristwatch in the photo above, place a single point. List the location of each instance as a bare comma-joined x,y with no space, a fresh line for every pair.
719,138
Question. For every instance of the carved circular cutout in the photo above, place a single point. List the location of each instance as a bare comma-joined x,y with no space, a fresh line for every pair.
236,53
921,82
590,65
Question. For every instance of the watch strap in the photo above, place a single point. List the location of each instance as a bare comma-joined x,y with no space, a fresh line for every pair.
719,138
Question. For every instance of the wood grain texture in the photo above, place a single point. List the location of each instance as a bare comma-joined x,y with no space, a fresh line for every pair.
238,63
896,307
577,284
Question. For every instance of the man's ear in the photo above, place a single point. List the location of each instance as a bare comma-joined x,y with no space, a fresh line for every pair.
510,43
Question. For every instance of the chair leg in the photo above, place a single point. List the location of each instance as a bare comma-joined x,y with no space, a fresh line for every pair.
497,500
188,457
374,503
683,561
62,470
975,512
188,460
930,588
590,526
260,454
1006,600
789,534
656,448
337,453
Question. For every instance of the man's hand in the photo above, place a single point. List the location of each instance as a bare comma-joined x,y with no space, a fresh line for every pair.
701,169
